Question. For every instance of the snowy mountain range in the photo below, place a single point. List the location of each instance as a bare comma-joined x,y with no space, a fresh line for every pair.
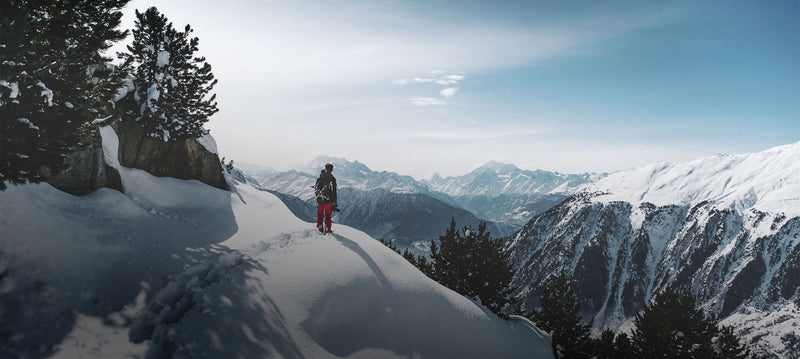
177,268
495,178
502,195
726,226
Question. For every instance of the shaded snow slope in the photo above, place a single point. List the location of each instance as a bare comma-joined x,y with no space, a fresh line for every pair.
767,181
175,268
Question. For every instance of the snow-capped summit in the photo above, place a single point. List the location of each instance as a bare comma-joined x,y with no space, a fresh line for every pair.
767,181
497,167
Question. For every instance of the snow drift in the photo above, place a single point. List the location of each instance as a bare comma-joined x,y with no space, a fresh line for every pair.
176,268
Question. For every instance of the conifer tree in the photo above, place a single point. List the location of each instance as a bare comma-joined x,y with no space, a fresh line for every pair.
490,278
559,316
672,327
604,346
171,84
473,264
447,259
623,347
54,80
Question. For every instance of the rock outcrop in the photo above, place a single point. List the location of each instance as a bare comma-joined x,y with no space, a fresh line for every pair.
86,170
186,159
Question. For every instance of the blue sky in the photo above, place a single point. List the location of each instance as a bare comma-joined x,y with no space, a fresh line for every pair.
418,87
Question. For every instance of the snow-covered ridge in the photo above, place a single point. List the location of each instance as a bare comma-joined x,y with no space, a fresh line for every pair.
768,181
176,268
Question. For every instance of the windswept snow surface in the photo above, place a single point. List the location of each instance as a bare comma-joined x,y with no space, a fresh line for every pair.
768,181
175,268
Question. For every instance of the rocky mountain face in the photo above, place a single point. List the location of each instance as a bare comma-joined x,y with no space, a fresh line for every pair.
726,227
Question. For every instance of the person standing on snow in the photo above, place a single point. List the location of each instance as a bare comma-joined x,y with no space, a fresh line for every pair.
325,191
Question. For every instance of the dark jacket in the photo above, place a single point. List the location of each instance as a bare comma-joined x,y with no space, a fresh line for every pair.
325,188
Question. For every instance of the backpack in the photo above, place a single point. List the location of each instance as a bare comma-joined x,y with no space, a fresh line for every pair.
323,190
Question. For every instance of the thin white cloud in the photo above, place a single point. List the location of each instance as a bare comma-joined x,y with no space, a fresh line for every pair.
447,82
448,92
423,80
400,81
427,101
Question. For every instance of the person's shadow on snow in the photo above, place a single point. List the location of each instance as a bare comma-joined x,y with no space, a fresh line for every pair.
356,248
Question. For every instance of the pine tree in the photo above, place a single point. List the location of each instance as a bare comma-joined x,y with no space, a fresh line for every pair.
473,264
672,327
623,347
604,346
559,316
54,80
491,274
447,259
171,85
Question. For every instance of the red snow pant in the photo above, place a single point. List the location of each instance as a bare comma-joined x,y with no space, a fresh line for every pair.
324,211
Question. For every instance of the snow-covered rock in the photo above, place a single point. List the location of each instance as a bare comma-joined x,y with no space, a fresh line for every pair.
184,159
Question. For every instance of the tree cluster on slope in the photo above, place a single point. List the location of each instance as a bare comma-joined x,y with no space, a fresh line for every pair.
471,263
55,81
670,326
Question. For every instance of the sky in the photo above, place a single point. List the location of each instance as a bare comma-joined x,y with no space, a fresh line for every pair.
419,87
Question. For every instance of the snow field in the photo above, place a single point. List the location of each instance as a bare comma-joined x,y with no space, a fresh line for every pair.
175,268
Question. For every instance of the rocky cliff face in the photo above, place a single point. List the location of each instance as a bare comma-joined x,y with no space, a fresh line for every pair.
622,255
186,159
726,227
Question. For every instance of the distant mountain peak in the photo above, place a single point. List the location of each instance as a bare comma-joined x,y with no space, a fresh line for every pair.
496,167
340,164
